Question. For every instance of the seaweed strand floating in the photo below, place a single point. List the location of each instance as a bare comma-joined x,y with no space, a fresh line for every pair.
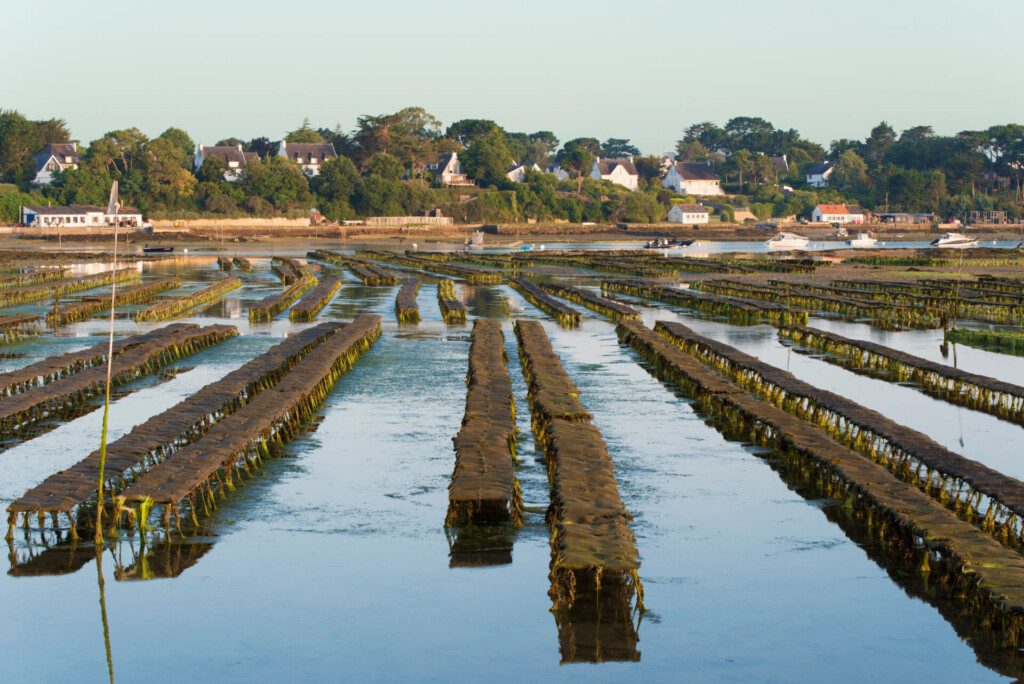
591,542
484,488
241,263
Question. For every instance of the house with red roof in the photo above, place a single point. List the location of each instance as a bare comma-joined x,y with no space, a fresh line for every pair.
838,213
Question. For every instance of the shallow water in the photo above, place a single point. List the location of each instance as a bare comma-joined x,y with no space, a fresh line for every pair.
334,564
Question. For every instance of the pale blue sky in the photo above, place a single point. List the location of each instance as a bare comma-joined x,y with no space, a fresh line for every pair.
637,69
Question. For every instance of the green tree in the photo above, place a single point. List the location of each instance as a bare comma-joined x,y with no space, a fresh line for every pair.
618,148
336,187
279,182
468,131
649,168
168,183
181,140
487,160
742,162
851,174
304,134
578,160
212,170
878,143
384,165
409,134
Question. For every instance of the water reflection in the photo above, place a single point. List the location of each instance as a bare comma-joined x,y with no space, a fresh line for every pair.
480,546
161,560
941,586
599,627
63,559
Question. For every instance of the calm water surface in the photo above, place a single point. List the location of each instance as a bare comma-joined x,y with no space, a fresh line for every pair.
334,565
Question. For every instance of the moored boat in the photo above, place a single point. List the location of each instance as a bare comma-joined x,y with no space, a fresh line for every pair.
954,241
787,241
862,240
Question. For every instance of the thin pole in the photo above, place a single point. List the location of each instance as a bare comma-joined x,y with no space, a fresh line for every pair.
106,397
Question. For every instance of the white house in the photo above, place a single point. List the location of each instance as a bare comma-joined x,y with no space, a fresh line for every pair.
78,216
692,178
688,213
558,172
618,171
232,156
448,171
310,156
517,172
838,213
817,175
54,158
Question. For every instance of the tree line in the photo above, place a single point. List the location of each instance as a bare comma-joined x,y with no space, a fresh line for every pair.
382,169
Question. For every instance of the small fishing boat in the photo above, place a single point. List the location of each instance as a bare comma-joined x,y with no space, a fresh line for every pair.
862,240
157,249
665,243
954,241
787,241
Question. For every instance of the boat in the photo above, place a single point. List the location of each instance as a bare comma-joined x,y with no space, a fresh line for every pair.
954,241
862,240
665,243
157,249
787,241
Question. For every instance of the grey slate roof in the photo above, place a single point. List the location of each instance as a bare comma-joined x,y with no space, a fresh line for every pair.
695,171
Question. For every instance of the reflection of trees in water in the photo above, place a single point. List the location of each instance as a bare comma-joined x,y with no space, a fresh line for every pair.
480,546
599,625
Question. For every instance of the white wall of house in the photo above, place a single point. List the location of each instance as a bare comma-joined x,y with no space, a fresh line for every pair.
674,180
818,216
678,215
558,172
818,180
310,168
100,217
52,166
618,176
231,174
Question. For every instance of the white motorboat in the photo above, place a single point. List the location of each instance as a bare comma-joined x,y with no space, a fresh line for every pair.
955,241
862,240
787,241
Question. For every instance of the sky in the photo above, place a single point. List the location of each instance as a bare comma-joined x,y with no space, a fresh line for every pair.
637,69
